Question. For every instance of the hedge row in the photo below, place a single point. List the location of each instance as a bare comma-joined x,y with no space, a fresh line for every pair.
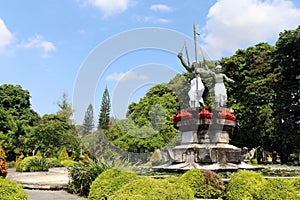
38,163
117,184
252,185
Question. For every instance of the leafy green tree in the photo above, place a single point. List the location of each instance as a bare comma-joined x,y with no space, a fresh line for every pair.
129,137
156,110
65,108
104,114
286,104
97,145
88,123
252,96
53,133
16,117
79,130
266,94
150,122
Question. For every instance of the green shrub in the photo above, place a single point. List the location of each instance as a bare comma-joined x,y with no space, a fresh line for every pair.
33,164
38,153
149,188
276,188
67,163
53,162
296,184
63,155
82,174
171,179
129,197
10,190
11,164
254,161
244,185
195,180
204,183
108,182
213,186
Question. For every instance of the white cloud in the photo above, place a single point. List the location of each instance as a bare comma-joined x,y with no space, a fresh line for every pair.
6,36
110,7
152,19
235,24
82,31
126,76
161,8
38,42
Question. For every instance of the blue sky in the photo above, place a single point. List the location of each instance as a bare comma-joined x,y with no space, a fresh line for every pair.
81,46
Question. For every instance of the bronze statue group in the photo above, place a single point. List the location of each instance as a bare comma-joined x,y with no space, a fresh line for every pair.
196,70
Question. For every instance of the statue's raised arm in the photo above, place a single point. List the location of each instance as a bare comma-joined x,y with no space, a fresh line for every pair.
188,68
197,86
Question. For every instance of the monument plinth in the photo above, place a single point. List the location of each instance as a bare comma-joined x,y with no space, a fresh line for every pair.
205,141
205,130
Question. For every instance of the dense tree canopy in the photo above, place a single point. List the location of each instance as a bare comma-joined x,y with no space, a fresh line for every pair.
16,118
23,132
149,125
51,134
252,96
266,94
287,89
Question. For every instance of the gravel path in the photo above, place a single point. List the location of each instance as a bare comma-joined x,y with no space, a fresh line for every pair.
51,195
44,185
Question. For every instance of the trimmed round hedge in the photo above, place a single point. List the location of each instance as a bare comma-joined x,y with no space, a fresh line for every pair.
204,183
244,185
11,190
214,186
145,188
195,180
108,182
277,188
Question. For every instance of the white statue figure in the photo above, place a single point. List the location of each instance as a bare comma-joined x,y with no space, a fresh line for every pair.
196,92
197,87
220,90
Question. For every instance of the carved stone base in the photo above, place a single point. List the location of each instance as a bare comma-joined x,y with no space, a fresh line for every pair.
205,141
207,153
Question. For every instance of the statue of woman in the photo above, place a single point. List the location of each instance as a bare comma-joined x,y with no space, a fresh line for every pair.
220,90
197,87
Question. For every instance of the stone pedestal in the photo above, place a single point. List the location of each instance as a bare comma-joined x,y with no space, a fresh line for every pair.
205,141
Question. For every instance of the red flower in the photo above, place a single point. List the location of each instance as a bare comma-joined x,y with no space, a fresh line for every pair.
205,114
226,114
183,114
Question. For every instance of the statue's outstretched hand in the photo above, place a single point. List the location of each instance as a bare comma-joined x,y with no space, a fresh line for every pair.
179,55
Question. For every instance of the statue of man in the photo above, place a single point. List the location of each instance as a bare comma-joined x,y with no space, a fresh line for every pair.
197,87
220,90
